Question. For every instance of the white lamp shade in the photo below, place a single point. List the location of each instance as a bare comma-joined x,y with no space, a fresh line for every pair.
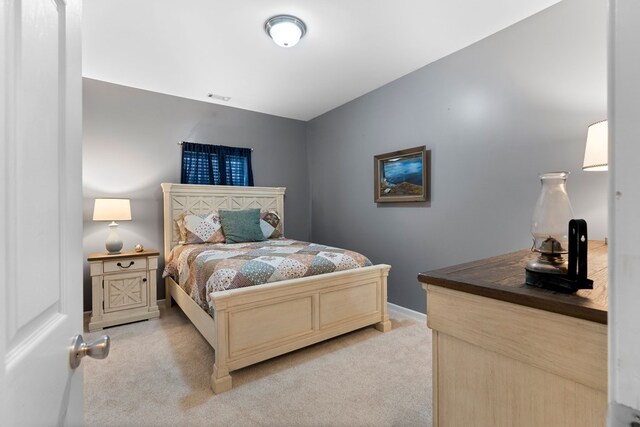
112,210
596,152
285,34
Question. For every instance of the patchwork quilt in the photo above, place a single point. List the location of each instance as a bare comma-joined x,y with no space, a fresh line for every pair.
201,269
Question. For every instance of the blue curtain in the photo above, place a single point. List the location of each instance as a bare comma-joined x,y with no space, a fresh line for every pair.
216,165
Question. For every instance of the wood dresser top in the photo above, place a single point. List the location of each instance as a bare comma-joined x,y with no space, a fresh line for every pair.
502,278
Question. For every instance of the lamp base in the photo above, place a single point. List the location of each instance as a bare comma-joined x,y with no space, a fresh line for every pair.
549,264
114,242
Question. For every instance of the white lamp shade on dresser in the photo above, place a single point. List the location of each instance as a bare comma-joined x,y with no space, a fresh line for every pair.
596,153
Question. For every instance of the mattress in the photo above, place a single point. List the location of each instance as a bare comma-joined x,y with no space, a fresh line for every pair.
201,269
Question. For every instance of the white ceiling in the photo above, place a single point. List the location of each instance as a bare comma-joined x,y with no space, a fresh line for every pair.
190,48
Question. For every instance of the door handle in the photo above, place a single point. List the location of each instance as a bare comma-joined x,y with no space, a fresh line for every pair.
98,349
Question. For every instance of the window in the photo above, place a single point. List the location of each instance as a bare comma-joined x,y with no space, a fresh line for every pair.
216,165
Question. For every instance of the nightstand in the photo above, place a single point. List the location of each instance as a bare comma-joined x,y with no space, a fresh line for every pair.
123,287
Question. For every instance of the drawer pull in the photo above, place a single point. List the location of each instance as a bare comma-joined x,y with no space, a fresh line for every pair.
122,266
144,280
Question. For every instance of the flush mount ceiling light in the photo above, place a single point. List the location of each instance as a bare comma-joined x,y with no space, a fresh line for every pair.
285,30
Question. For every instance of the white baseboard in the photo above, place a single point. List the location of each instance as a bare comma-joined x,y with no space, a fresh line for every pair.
393,308
406,312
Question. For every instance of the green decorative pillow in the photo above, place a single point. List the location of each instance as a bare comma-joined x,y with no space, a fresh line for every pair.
241,226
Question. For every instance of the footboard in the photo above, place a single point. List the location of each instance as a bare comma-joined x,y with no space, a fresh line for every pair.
257,323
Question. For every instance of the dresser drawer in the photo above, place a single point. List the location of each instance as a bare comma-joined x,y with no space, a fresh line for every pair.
572,348
125,264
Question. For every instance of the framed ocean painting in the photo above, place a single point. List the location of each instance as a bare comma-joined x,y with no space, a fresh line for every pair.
402,176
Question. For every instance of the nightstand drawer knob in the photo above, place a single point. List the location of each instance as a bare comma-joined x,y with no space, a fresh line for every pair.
98,349
122,266
144,280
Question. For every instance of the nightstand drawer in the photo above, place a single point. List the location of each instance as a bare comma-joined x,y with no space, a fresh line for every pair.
125,264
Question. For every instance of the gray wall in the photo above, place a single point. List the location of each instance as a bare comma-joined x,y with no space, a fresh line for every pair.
130,147
494,115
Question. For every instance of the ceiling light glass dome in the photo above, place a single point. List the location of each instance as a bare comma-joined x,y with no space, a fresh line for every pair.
285,30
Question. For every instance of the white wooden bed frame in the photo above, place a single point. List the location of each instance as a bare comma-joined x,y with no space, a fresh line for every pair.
260,322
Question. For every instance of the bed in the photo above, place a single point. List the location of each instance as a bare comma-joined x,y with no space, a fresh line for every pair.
252,324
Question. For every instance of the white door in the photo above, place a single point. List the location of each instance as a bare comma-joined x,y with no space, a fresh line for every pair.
40,211
624,213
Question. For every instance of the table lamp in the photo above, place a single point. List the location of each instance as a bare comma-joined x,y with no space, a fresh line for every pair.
596,156
595,153
112,210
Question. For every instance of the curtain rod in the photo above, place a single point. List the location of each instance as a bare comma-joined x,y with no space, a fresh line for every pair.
180,143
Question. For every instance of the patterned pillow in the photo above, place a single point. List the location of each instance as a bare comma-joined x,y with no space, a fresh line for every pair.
205,228
270,224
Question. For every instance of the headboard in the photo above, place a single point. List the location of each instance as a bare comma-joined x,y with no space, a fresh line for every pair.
199,199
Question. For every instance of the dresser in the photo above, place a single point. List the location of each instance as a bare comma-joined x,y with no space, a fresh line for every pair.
123,288
507,354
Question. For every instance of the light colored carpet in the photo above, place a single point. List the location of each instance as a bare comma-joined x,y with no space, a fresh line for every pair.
158,374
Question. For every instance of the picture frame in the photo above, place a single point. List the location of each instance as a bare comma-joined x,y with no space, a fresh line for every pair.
402,176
